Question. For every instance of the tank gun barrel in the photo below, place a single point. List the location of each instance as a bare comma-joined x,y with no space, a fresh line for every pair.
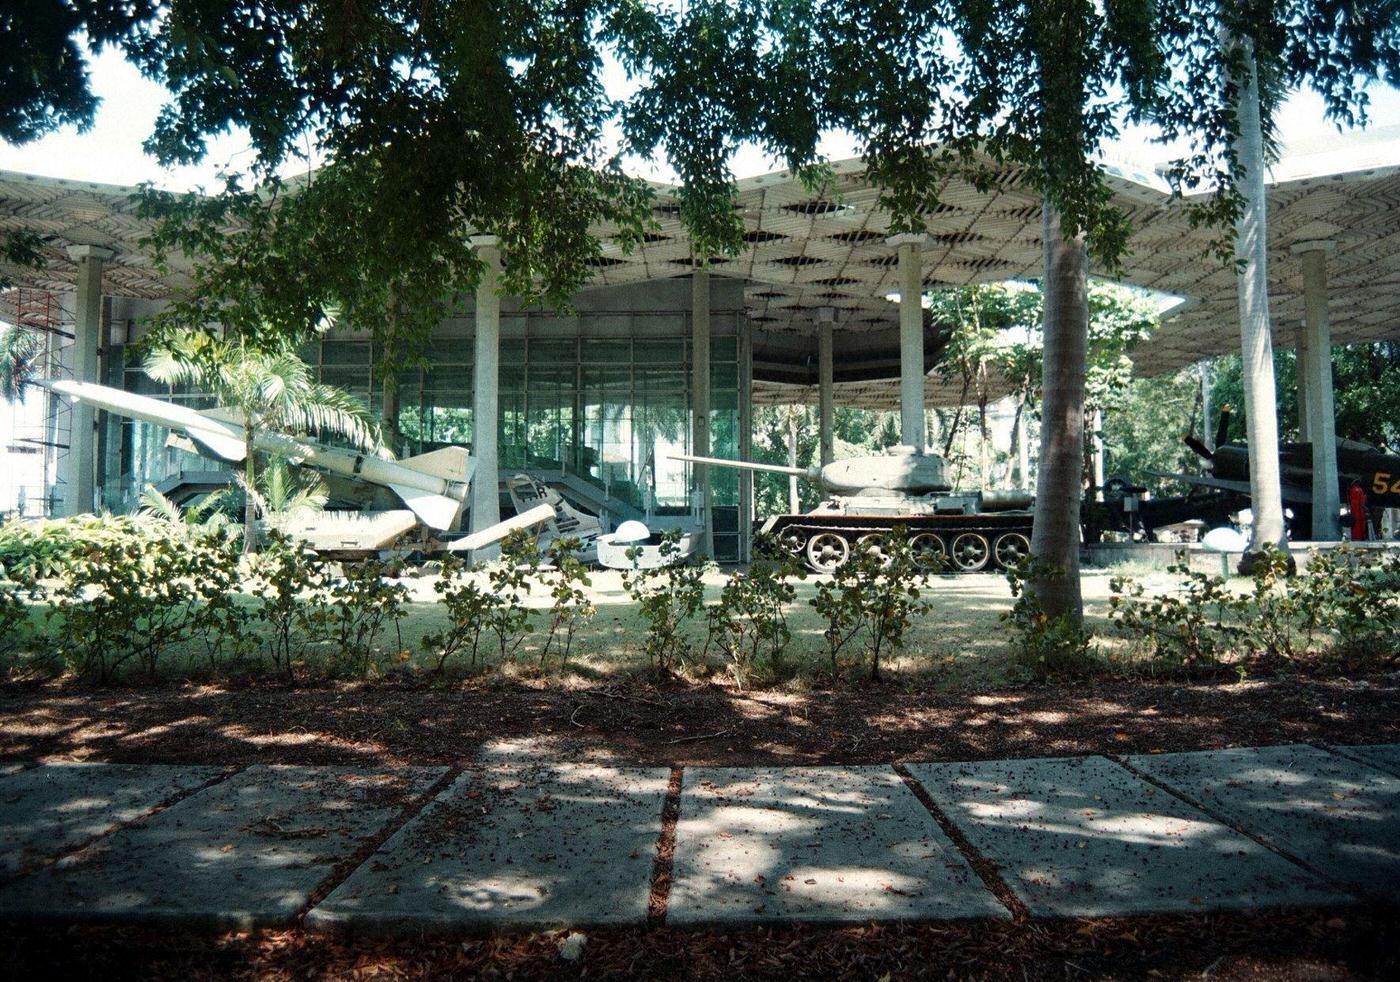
744,465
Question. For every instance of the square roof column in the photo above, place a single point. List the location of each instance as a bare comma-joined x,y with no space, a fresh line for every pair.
81,463
826,317
911,338
700,401
1321,408
486,380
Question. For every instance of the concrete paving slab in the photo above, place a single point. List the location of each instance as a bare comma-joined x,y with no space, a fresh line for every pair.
821,844
1083,837
1336,815
244,853
509,847
1386,756
47,810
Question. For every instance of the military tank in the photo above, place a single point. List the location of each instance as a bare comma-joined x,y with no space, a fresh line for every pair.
960,531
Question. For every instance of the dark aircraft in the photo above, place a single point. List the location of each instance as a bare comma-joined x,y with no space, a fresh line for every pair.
1358,464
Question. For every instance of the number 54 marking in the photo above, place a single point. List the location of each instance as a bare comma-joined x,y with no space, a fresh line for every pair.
1381,483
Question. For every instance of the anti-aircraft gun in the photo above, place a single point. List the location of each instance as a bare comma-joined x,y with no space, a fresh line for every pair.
872,495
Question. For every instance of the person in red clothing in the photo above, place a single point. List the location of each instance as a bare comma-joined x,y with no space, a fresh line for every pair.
1356,504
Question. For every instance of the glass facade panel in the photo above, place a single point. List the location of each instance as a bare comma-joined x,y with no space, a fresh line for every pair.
610,410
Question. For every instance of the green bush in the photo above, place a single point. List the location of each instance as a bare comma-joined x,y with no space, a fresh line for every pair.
285,577
873,597
1344,604
567,581
1046,645
749,623
348,614
127,599
667,598
468,608
31,551
1354,597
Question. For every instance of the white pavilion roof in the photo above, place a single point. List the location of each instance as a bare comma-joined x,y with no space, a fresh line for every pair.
806,252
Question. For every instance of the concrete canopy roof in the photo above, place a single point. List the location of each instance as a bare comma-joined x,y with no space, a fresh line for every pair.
807,252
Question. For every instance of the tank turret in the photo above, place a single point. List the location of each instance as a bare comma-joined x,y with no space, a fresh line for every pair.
873,494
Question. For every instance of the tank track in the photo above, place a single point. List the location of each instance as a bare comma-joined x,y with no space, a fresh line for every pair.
965,543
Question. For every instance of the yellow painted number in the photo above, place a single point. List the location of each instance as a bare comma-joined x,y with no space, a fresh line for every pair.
1380,484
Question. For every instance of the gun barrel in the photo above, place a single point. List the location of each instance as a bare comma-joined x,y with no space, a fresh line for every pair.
744,465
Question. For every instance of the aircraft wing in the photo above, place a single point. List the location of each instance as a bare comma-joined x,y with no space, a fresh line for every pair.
1292,494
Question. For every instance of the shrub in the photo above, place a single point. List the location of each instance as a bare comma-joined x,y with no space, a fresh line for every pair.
1047,645
1355,597
351,612
285,577
16,626
510,578
567,580
32,551
127,599
667,597
1187,633
749,624
468,607
219,622
873,596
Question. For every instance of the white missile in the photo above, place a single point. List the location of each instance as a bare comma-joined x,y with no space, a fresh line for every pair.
535,517
433,484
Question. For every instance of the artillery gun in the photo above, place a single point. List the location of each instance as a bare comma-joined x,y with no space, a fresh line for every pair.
965,531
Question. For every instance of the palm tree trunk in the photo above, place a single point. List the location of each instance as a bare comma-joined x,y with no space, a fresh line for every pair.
250,505
1055,539
1018,437
1256,342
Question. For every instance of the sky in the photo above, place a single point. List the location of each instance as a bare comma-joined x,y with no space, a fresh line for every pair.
110,152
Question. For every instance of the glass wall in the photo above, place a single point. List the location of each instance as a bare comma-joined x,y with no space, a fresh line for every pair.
608,410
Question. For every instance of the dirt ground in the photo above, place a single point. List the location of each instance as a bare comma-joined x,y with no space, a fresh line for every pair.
681,723
1291,946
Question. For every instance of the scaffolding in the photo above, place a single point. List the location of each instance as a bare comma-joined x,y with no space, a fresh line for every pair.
33,481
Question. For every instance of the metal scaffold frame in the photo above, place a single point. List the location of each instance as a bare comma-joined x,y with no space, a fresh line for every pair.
43,312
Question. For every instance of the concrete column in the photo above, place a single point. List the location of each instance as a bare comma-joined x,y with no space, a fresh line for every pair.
1322,419
1300,374
81,461
911,339
794,505
825,409
700,399
486,380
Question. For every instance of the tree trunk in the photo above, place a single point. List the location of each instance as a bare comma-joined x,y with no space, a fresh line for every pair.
1256,342
1055,539
1018,468
389,413
250,505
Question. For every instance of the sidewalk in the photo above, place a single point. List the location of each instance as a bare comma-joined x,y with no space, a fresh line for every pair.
527,846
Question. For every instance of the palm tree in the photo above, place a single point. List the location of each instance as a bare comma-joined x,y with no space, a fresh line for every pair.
1055,539
19,354
265,388
1257,355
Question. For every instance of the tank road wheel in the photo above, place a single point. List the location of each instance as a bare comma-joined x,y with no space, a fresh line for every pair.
929,554
793,540
827,551
1011,548
971,552
874,545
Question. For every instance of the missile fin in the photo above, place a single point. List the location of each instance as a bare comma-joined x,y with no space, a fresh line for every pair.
436,511
449,463
217,444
